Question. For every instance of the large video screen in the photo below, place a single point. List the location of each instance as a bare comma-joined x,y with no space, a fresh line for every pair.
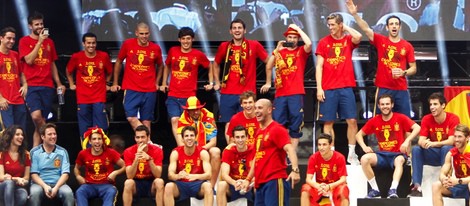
422,20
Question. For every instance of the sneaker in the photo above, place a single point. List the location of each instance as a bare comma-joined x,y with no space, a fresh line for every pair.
392,193
353,159
415,193
373,194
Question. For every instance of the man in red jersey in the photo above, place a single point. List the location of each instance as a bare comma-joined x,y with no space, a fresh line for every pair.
436,138
395,60
100,175
236,59
236,163
93,68
245,118
272,147
335,80
457,160
289,61
390,129
142,73
190,171
12,107
143,169
329,169
38,53
182,63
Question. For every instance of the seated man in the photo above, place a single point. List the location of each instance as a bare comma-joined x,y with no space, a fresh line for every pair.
436,138
203,120
390,129
189,169
98,161
328,181
143,169
236,163
50,168
457,159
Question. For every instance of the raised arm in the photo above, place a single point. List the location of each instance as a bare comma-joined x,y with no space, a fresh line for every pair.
356,36
352,8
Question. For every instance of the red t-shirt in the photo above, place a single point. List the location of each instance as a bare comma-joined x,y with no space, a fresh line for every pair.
460,165
253,50
438,132
143,169
327,171
293,75
97,168
140,72
10,70
40,72
390,134
90,76
239,161
392,55
192,164
338,71
251,126
14,168
184,71
270,158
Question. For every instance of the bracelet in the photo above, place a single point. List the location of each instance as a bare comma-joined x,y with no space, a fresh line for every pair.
248,179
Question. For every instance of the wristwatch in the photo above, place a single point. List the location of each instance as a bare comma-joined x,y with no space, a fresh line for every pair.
460,181
296,170
404,73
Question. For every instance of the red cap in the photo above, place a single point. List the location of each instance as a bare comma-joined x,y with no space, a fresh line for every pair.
193,103
291,31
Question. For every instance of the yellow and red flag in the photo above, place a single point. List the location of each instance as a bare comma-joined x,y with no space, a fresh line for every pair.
458,99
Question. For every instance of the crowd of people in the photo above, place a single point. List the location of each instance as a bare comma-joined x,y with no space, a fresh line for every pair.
262,135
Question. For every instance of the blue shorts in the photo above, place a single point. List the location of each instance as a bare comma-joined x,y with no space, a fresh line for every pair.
460,191
401,99
15,114
236,194
338,103
386,159
143,188
90,115
289,111
189,189
40,98
173,106
140,102
229,106
273,192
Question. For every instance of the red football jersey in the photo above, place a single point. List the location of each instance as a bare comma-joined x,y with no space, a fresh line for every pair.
239,161
293,75
192,164
327,171
143,170
251,126
97,168
10,74
438,132
14,168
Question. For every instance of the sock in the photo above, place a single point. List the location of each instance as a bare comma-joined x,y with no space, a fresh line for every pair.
352,148
373,184
394,185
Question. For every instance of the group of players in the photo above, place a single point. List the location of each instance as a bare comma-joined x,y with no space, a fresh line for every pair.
30,75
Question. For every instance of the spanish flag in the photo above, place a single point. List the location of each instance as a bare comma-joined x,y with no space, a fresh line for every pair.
458,99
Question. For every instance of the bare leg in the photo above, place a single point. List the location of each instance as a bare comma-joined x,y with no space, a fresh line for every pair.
215,164
304,199
38,121
134,122
174,129
128,192
148,124
222,192
294,142
438,191
171,191
159,187
352,131
208,194
367,161
328,129
398,172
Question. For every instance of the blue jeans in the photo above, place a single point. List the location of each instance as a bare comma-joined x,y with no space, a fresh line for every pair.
65,194
13,195
434,156
107,192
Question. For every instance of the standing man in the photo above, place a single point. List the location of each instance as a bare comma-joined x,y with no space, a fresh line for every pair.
272,147
50,168
12,107
93,68
142,73
289,60
329,168
143,169
100,175
395,60
457,160
390,129
237,59
436,138
183,63
245,118
335,80
38,53
236,163
189,169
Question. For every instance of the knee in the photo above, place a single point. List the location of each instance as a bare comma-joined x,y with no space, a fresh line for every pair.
215,153
207,188
169,188
128,185
159,183
366,159
399,161
351,122
222,186
436,187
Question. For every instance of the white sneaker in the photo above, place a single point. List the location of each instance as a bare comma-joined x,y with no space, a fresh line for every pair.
353,159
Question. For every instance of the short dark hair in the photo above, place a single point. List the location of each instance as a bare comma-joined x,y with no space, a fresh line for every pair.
185,31
237,21
5,30
88,34
383,96
34,16
42,130
246,95
239,128
325,136
143,128
439,96
188,128
393,17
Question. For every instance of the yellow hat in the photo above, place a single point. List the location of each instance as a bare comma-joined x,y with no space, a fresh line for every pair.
193,103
